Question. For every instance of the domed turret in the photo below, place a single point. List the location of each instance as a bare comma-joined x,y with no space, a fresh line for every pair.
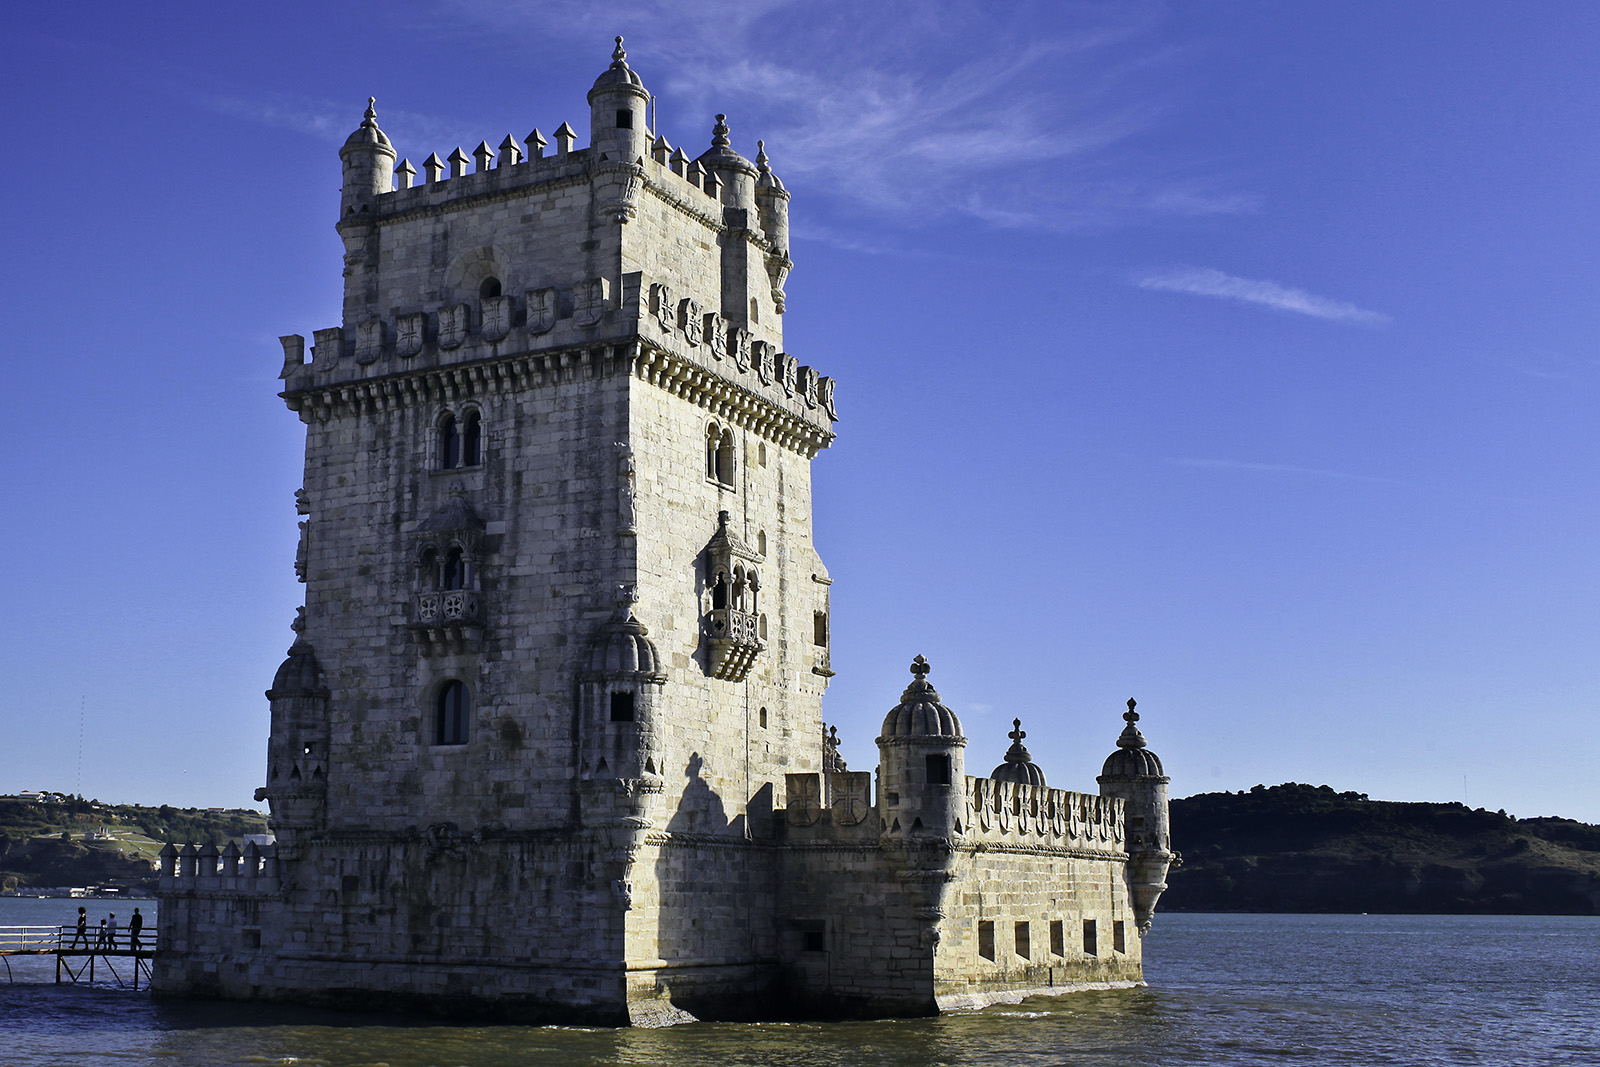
298,676
1132,759
620,694
922,789
368,160
1134,774
1019,766
736,174
617,103
624,647
919,713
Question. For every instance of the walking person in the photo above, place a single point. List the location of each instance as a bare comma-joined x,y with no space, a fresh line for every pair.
135,925
111,929
100,941
82,936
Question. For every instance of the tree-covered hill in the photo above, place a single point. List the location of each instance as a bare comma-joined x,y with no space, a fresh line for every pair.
1310,849
64,840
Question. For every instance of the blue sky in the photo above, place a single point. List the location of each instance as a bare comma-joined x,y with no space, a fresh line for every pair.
1238,357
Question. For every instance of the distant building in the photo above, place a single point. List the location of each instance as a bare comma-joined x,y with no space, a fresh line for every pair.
549,741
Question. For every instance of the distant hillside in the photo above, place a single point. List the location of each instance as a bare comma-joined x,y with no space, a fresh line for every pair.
1309,849
61,840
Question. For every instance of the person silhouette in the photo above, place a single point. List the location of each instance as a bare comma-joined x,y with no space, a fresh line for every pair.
135,925
82,936
111,931
100,941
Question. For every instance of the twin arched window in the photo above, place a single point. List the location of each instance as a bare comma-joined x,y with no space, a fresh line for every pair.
719,455
460,441
447,573
452,713
739,591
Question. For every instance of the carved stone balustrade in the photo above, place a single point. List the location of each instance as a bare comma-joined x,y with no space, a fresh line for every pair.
734,638
450,620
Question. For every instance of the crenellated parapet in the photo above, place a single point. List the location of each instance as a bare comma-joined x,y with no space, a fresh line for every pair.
1015,813
204,869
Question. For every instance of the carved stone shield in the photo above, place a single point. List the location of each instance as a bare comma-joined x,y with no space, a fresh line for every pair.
739,347
761,358
541,310
495,317
825,396
410,332
808,385
663,307
589,302
689,321
804,802
716,334
327,347
789,368
852,796
369,341
454,322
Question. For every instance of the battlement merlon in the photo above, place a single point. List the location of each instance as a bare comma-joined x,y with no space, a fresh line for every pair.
676,346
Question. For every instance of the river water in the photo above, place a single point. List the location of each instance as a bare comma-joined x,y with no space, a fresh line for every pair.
1224,990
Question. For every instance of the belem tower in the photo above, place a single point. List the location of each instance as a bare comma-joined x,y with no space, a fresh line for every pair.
549,745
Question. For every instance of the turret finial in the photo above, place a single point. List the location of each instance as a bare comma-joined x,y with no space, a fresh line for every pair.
719,133
1017,732
761,157
1131,737
619,56
371,117
920,668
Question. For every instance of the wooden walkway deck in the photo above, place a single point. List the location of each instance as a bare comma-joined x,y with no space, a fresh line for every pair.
77,955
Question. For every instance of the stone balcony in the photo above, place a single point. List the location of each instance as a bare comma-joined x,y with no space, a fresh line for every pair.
734,640
449,620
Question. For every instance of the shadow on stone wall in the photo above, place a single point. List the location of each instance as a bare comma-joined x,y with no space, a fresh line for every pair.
709,903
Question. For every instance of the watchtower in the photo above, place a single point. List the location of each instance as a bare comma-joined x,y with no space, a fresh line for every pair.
564,627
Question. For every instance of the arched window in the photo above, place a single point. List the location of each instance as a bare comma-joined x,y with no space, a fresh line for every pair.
472,440
449,442
713,438
761,542
490,288
453,711
455,571
738,587
719,593
725,459
429,570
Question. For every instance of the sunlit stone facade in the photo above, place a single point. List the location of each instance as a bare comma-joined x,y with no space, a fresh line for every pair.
549,742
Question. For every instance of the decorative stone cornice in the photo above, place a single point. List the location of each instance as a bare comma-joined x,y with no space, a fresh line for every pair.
533,370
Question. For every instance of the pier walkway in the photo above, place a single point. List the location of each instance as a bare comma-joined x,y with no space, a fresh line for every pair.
77,954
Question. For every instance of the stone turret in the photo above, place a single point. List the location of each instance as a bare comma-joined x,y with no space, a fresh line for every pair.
617,112
772,201
736,175
922,790
368,164
297,750
1134,774
1018,766
368,160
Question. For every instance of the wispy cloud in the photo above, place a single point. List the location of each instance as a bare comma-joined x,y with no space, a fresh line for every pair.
1205,281
324,119
1275,468
1028,114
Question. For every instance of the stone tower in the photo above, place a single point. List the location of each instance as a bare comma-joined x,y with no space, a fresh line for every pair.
548,744
562,610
